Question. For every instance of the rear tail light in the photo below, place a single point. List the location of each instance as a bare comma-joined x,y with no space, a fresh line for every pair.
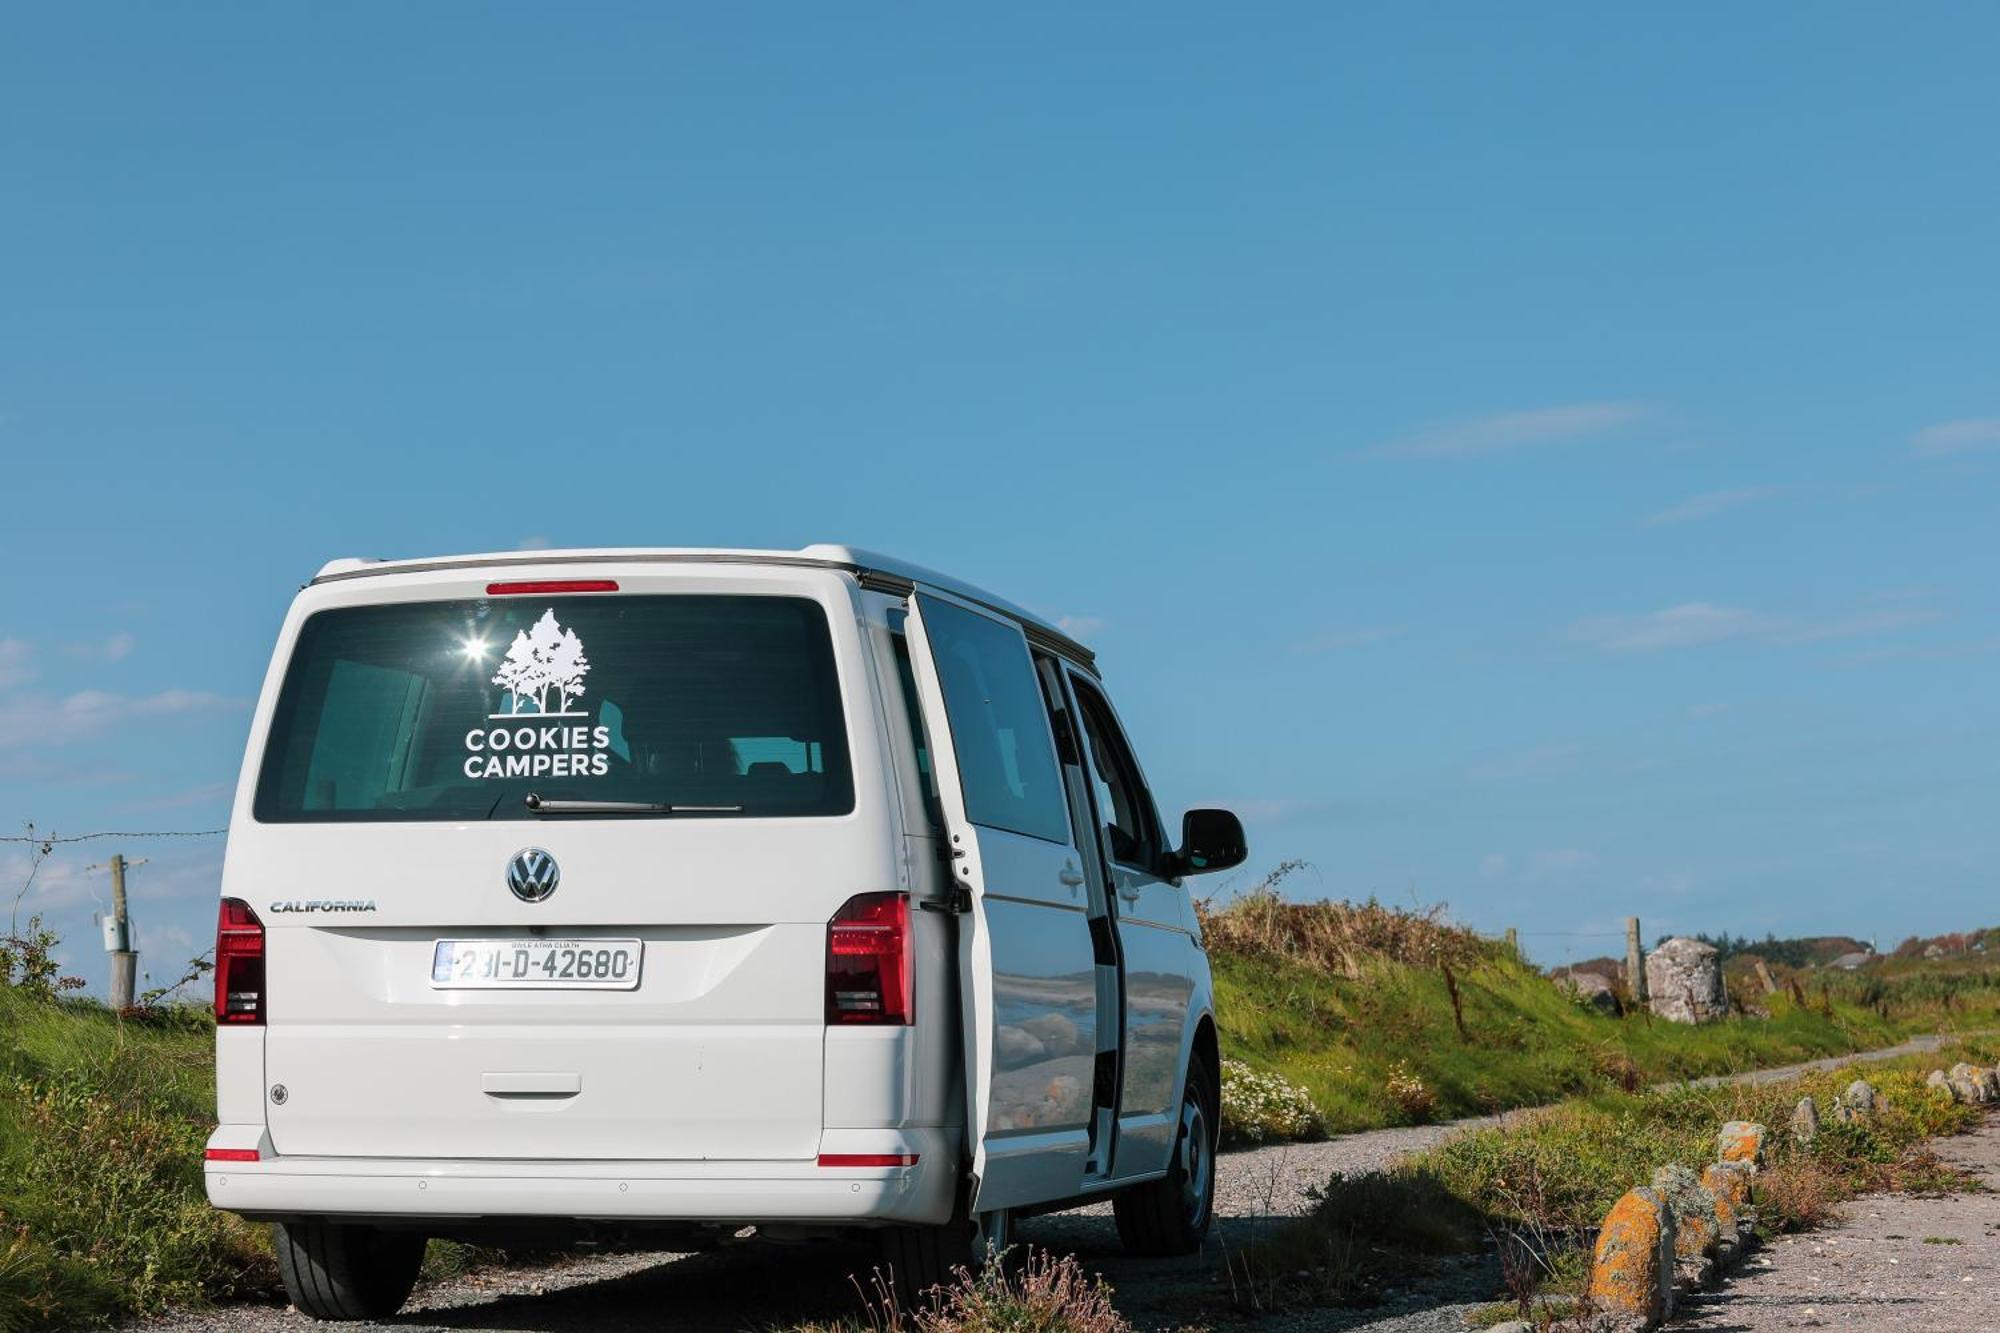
868,961
239,964
231,1155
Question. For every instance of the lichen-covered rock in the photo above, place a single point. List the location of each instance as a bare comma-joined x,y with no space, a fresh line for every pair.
1631,1270
1939,1082
1590,989
1859,1097
1966,1084
1684,982
1741,1141
1805,1122
1697,1226
1729,1182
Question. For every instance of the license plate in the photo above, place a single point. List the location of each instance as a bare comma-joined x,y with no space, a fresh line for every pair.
535,965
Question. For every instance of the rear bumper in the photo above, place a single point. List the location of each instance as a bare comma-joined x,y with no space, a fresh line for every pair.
728,1192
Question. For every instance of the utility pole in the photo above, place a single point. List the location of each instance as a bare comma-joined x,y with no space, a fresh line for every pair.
1635,961
118,942
1513,941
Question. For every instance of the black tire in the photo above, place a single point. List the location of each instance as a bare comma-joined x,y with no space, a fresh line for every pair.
1171,1215
335,1270
917,1259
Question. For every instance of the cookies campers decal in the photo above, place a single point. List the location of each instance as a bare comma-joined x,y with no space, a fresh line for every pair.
543,675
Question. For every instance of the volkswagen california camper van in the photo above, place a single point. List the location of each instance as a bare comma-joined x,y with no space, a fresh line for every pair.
645,895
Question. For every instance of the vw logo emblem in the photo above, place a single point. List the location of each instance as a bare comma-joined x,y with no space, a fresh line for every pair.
532,874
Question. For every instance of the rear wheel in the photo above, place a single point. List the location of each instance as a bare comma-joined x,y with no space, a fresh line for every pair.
335,1270
1170,1215
916,1259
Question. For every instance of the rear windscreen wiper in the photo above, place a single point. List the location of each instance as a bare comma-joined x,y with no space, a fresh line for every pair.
541,806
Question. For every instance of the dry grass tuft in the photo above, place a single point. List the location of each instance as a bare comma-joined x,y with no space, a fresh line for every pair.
1337,937
1800,1195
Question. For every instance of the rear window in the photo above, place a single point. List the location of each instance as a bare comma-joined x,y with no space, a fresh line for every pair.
717,706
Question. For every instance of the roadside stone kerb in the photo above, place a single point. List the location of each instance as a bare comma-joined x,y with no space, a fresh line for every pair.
1632,1268
1805,1122
1729,1182
1741,1141
1697,1226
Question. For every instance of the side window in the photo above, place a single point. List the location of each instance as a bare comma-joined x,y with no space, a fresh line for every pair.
999,728
907,678
1123,802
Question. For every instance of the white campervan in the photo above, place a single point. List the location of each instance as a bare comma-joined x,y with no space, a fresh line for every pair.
647,894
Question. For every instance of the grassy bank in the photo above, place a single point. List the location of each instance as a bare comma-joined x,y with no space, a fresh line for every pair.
1388,1017
101,1130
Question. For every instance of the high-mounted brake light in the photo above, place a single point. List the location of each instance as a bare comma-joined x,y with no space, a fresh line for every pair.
239,964
867,1159
868,961
231,1155
551,585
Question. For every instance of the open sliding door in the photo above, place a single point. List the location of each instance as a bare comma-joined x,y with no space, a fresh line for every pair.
1028,982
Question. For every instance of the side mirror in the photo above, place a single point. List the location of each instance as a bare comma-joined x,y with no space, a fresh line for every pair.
1210,840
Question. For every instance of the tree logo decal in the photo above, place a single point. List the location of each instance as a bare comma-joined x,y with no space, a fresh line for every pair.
543,660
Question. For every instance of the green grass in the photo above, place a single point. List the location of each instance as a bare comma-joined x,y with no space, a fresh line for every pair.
102,1124
1373,1038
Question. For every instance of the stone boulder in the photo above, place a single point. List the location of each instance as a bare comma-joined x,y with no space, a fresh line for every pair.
1972,1085
1632,1267
1741,1141
1939,1081
1590,989
1805,1122
1859,1097
1697,1226
1729,1182
1684,982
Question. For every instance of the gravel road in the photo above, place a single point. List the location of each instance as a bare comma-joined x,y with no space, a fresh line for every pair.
1896,1264
757,1285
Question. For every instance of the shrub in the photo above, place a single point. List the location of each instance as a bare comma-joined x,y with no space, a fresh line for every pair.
1042,1293
1412,1096
1797,1196
1261,1107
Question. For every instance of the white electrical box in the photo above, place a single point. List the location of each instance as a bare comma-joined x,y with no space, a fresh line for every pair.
117,935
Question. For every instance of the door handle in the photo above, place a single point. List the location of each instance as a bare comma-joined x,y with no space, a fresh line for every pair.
531,1085
1070,875
1129,892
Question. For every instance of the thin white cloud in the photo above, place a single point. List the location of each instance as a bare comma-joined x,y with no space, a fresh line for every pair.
14,668
1951,439
1683,626
536,542
27,720
1694,624
1344,640
1708,504
1502,432
112,648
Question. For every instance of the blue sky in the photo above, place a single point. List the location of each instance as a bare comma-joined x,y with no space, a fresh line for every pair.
1543,461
